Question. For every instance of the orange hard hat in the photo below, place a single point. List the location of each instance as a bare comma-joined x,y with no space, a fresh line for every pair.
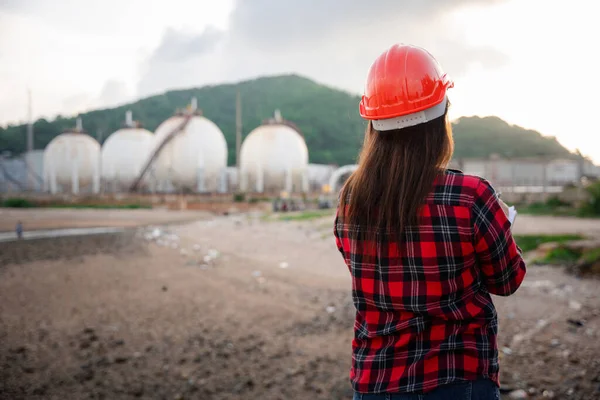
406,86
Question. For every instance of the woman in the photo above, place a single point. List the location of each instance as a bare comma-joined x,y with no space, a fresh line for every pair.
426,246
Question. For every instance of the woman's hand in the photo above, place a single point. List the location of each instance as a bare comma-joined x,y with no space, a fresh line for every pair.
504,207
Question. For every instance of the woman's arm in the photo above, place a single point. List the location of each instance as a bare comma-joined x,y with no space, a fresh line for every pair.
499,256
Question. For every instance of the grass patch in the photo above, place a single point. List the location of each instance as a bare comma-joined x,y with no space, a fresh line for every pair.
266,217
531,242
548,209
24,203
243,198
591,255
17,203
306,215
553,206
564,255
100,206
254,200
560,255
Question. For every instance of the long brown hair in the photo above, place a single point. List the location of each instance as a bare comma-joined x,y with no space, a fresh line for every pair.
396,172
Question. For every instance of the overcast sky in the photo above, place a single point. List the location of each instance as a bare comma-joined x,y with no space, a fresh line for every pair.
530,62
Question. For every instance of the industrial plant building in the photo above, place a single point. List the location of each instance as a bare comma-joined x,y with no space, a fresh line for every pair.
188,154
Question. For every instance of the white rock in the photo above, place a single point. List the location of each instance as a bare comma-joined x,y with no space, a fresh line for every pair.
518,394
196,247
156,233
518,338
545,284
574,305
207,259
212,253
589,332
256,274
507,351
542,323
330,309
283,265
548,394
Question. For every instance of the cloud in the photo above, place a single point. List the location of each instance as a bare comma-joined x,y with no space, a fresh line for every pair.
11,5
332,41
182,59
106,17
77,103
178,46
278,23
114,92
456,57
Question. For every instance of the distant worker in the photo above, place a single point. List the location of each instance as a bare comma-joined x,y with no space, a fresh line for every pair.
19,230
426,246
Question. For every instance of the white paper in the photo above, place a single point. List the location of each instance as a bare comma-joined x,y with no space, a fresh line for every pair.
512,214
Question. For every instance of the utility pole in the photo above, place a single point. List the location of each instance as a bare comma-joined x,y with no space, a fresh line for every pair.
238,134
580,175
29,181
29,123
544,176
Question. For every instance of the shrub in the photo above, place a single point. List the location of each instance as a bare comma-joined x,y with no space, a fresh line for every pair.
239,197
555,202
592,207
17,203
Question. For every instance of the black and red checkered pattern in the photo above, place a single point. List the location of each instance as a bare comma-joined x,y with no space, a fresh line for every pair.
424,314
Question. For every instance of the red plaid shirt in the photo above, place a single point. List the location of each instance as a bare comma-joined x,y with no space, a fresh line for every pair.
424,314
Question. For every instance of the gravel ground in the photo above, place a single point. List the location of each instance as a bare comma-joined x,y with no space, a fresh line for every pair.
234,308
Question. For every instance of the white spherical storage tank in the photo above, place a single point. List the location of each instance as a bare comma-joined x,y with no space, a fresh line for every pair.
124,154
196,156
274,157
71,162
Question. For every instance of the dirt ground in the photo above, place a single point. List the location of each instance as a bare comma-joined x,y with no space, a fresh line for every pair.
239,307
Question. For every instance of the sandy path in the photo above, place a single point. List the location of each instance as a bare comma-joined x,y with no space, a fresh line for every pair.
533,224
45,218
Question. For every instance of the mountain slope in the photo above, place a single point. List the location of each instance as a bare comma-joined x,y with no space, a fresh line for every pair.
327,117
480,137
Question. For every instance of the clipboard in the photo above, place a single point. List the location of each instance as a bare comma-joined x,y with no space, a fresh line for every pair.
512,214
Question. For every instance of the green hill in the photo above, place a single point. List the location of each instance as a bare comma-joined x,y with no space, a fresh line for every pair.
327,117
480,137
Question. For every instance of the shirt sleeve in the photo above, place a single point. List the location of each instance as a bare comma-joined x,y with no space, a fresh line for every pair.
338,240
500,259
